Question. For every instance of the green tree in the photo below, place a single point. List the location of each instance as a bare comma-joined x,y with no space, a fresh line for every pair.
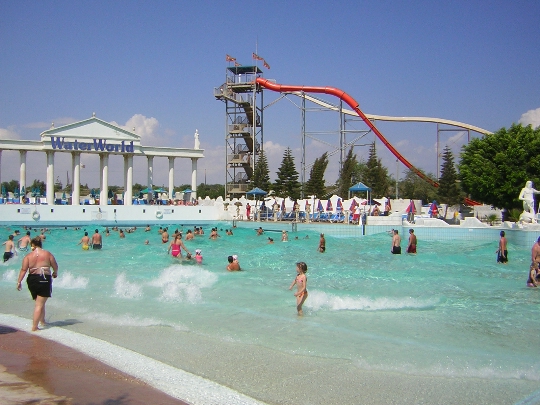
415,188
449,191
210,190
315,185
261,174
345,180
287,183
495,167
376,176
11,185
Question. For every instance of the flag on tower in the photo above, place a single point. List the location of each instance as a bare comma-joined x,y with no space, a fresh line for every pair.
229,58
236,64
255,56
265,64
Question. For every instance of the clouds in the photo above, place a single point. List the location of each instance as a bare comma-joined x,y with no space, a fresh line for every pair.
531,117
8,133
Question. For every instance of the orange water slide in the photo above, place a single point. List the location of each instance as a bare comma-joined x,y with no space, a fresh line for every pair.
285,88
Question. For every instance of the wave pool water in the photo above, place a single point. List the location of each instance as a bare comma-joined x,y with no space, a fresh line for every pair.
448,314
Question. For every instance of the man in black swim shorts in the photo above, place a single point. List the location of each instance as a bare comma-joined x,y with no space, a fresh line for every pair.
10,248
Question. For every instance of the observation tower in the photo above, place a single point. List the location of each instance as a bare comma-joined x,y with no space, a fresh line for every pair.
243,99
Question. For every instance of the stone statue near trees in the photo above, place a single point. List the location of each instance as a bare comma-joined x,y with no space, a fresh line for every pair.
527,196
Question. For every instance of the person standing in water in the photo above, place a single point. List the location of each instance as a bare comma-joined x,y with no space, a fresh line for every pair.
322,244
301,283
502,252
411,247
396,243
96,240
24,242
38,264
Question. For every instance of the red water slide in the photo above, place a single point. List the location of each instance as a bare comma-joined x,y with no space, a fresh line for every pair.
285,88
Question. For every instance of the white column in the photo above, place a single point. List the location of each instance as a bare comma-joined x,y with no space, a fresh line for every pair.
194,178
22,173
104,192
150,179
76,170
128,179
171,177
49,186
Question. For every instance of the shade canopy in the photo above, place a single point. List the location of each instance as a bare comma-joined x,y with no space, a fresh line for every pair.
359,187
256,191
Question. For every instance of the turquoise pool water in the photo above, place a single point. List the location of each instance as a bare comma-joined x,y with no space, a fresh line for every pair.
451,311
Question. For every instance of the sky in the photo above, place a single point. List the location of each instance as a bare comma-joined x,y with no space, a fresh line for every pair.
154,66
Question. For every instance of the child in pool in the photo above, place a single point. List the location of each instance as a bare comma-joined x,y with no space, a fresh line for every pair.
301,282
198,255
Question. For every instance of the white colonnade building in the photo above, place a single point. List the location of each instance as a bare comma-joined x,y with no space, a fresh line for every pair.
95,136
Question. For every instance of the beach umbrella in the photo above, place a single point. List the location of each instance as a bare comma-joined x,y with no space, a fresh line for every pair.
353,205
16,192
339,205
329,205
109,194
411,208
320,206
433,209
256,192
92,193
64,196
283,205
4,193
23,192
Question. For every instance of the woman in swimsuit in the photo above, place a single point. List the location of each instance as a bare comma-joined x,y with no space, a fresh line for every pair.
176,246
38,264
301,282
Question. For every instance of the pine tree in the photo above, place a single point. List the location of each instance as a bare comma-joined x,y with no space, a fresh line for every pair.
376,176
346,174
315,185
287,183
449,191
261,174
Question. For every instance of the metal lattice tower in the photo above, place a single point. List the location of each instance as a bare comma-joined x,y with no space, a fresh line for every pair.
243,100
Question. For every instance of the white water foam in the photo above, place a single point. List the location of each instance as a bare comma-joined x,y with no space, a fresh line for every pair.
69,281
9,275
130,320
320,300
174,382
124,289
183,283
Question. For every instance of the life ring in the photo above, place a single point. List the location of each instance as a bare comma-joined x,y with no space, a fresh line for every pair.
99,216
159,214
35,215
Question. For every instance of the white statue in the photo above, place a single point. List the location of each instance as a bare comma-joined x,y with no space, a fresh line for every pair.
197,142
527,196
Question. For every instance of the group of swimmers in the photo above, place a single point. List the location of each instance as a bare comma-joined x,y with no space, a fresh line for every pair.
395,249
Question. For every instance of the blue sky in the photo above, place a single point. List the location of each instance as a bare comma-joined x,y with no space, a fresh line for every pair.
153,65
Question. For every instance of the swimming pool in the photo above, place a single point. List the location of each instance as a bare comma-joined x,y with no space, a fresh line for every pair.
448,325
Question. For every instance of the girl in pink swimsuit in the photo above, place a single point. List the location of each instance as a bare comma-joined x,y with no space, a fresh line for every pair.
301,282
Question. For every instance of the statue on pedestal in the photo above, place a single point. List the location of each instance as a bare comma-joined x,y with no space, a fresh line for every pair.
527,196
197,142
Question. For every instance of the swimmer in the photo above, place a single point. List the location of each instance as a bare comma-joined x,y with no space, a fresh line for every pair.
24,242
146,242
164,236
270,240
260,231
411,247
176,246
322,244
396,243
85,241
533,276
233,266
96,240
198,256
121,234
301,282
502,251
189,235
147,229
10,248
284,236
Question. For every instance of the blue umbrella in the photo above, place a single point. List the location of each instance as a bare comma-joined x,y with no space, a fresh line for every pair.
256,191
16,192
4,194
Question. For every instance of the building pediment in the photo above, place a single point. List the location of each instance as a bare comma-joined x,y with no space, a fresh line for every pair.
89,130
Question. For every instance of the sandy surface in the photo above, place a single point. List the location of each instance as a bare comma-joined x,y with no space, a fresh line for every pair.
39,371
